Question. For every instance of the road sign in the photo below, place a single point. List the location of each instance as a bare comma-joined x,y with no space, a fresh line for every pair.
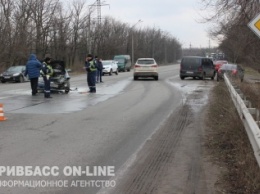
254,25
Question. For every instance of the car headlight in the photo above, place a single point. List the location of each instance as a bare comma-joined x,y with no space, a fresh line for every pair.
16,74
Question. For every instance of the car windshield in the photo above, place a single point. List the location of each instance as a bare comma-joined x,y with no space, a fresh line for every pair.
228,67
15,68
191,62
145,61
107,62
221,62
120,60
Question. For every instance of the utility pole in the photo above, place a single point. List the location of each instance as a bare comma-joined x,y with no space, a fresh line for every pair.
132,29
98,6
209,47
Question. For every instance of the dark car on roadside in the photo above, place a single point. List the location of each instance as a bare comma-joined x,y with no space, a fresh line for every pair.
197,67
232,70
14,74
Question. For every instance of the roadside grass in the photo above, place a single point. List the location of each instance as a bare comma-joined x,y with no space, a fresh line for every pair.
229,147
252,93
251,71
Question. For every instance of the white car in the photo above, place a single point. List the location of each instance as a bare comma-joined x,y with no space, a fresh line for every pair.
110,67
146,67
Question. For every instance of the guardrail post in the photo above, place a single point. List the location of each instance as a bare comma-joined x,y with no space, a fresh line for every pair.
247,103
238,91
251,126
252,111
257,117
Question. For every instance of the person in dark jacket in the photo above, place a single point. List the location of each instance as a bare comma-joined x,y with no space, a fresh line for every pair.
47,73
91,69
99,69
33,67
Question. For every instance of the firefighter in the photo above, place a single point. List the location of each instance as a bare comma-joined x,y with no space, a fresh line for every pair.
91,69
46,73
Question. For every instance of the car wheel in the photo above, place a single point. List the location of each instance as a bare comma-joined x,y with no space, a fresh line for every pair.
203,76
110,73
156,78
212,78
116,72
3,81
128,69
182,77
135,77
21,79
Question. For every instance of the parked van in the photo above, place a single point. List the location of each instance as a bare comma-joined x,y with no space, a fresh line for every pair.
197,67
123,62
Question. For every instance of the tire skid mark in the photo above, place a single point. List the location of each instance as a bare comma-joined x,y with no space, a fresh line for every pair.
195,171
150,168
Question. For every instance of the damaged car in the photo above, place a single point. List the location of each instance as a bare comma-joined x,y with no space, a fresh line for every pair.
60,81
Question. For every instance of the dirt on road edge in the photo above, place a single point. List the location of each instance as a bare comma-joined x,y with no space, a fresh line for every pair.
175,160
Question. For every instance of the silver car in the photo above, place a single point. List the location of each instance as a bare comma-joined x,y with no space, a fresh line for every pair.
146,67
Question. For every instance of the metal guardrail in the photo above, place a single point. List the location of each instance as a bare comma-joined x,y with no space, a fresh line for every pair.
246,117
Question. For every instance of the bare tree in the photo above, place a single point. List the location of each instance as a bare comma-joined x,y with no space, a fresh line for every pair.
46,27
237,40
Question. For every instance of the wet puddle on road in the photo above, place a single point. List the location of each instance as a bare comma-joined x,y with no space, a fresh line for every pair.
20,101
195,94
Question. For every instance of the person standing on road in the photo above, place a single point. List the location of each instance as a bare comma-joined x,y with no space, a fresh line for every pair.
91,69
33,67
99,69
46,73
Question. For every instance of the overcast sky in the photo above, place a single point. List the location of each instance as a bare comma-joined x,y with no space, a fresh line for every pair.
178,17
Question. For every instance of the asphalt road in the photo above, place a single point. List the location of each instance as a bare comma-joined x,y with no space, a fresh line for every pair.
109,128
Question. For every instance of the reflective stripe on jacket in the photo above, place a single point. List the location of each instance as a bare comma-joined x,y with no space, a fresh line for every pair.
92,66
46,69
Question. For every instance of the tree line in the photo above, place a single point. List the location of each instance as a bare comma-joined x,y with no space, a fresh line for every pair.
231,18
69,31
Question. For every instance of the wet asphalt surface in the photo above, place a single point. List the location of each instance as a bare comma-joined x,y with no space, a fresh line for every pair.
80,129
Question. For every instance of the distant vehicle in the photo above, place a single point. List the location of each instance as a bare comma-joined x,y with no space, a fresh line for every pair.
14,74
197,67
146,67
110,67
232,70
211,58
60,79
219,63
124,62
